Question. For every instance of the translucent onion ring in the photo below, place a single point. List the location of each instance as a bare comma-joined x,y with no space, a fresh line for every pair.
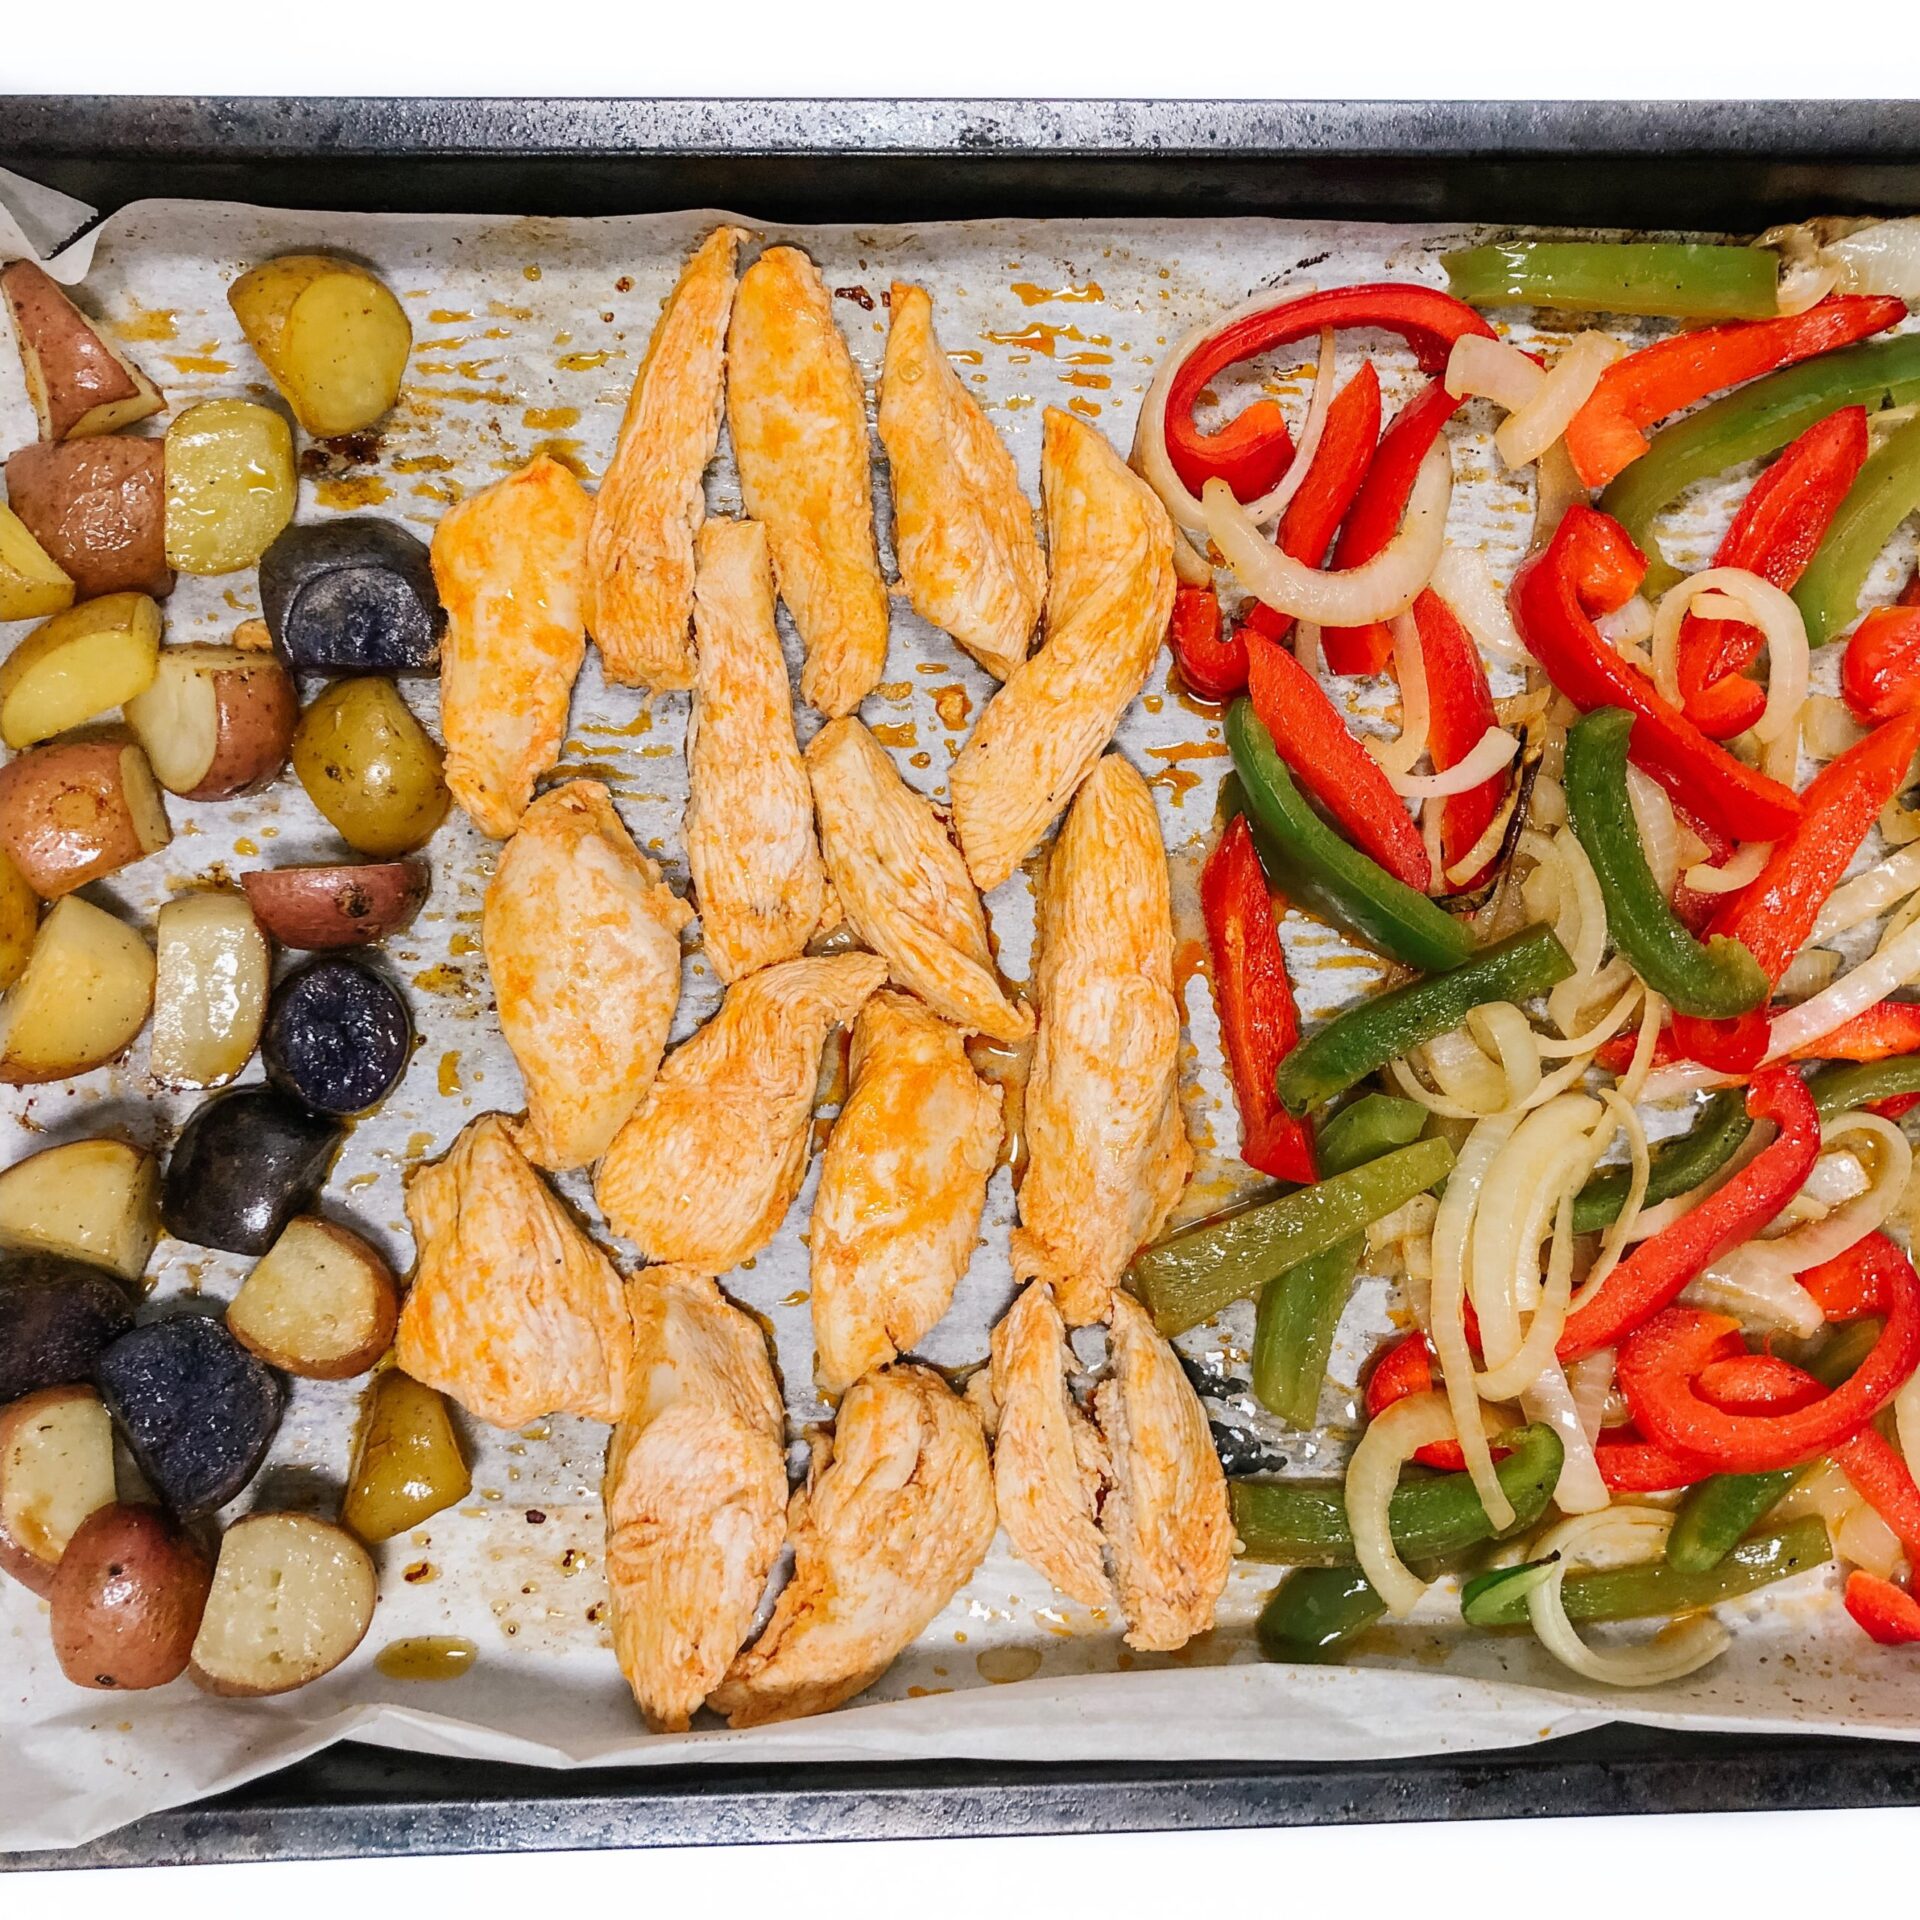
1543,420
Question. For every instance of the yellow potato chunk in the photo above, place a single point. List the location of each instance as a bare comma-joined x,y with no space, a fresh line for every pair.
230,485
370,767
78,665
85,994
19,917
408,1465
332,336
31,585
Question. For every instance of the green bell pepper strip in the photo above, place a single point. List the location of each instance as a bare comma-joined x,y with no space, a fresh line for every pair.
1715,979
1303,1523
1300,1309
1752,421
1718,1514
1315,1613
1839,1088
1318,870
1655,1590
1187,1279
1886,490
1678,1165
1688,281
1353,1044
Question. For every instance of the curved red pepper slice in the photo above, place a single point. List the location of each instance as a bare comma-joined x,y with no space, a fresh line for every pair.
1407,1368
1459,712
1658,1270
1880,673
1780,523
1213,668
1882,1479
1247,451
1886,1613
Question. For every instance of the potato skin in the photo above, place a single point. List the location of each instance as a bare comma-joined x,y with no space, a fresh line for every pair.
127,1600
298,1263
70,813
352,596
246,699
338,1036
330,333
245,1163
371,768
57,1316
98,509
408,1464
33,1555
319,908
78,381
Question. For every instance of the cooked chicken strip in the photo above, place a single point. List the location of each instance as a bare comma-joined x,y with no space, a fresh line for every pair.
640,552
961,525
582,939
1108,602
1107,1147
896,1514
1049,1465
902,882
798,413
1165,1519
513,1311
705,1171
749,825
902,1184
510,564
695,1492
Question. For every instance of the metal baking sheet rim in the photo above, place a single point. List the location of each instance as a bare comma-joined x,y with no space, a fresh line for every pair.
357,1800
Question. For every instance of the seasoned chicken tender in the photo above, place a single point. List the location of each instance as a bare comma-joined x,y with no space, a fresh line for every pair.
1049,1463
798,413
640,551
896,1514
902,883
1108,602
695,1492
1107,1147
1165,1518
510,565
582,940
513,1311
704,1172
962,527
749,825
902,1184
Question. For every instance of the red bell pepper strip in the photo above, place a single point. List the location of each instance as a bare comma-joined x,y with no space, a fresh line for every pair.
1459,712
1375,517
1252,451
1886,1613
1881,1478
1658,1270
1780,523
1213,668
1608,433
1847,1287
1661,1363
1553,598
1773,917
1880,673
1629,1463
1331,764
1882,1032
1258,1018
1340,464
1407,1368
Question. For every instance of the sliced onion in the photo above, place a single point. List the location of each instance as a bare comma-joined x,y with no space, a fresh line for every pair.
1494,749
1392,1438
1881,257
1556,487
1657,1219
1190,567
1893,964
1869,896
1741,871
1806,1246
1629,625
1463,581
1659,832
1485,369
1646,1046
1732,593
1382,587
1811,969
1402,753
1550,1401
1827,729
1773,1300
1682,1649
1685,1076
1857,1532
1539,424
1906,1422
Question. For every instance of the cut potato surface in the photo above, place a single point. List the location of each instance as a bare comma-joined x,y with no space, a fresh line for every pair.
80,664
80,383
230,485
19,920
292,1598
56,1469
83,997
31,586
210,989
216,721
332,336
77,810
93,1200
321,1303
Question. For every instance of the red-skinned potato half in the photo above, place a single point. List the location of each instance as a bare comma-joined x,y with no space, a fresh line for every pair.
127,1600
216,722
80,383
56,1471
77,810
98,509
316,908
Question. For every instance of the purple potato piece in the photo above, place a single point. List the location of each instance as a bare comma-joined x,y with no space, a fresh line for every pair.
352,596
56,1316
246,1162
338,1036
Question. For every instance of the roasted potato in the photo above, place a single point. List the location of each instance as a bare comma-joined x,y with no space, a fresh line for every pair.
19,920
77,666
352,596
292,1598
80,383
83,997
98,510
56,1318
370,767
56,1468
332,337
338,1036
210,989
321,1304
91,1200
217,721
408,1464
127,1600
31,586
77,810
198,1410
230,485
321,907
246,1162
